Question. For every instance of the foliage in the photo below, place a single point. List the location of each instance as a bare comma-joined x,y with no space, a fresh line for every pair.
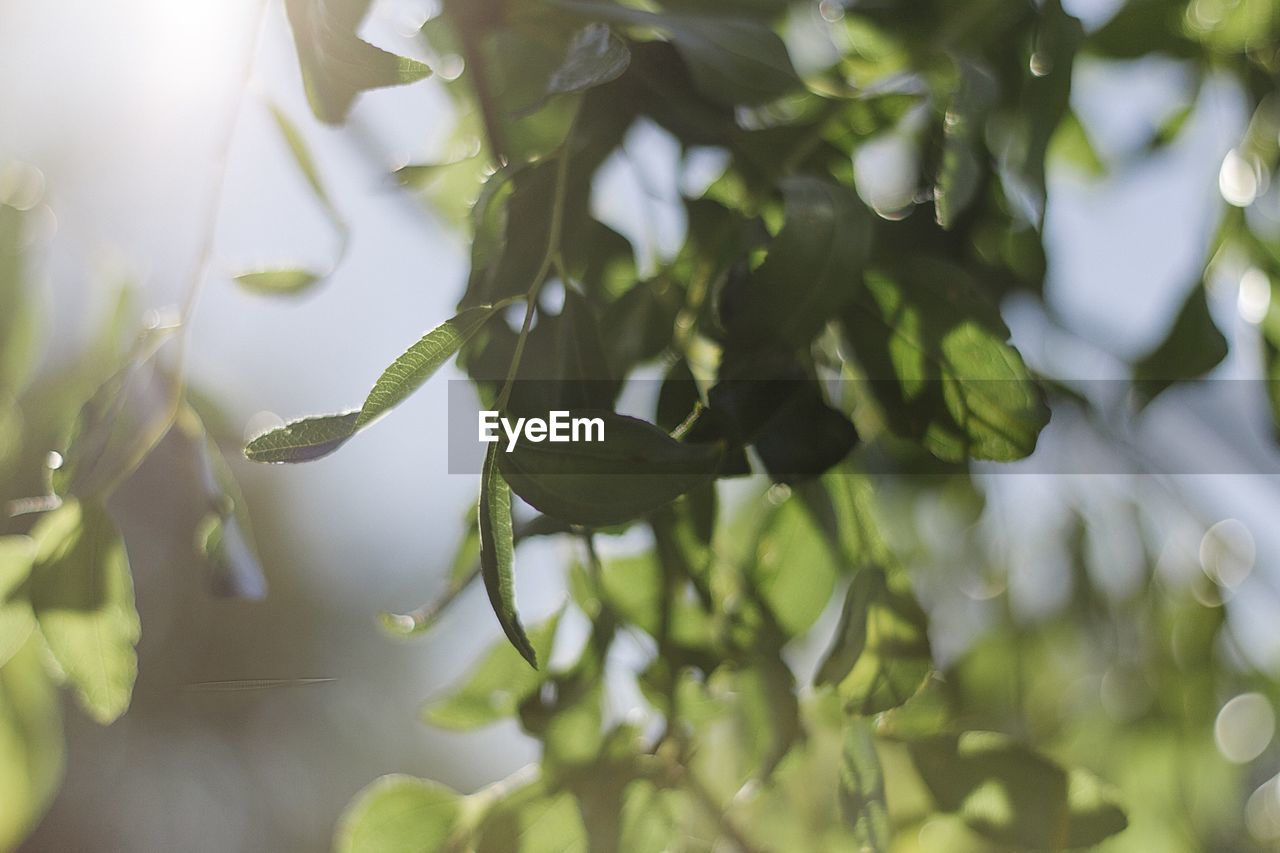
808,328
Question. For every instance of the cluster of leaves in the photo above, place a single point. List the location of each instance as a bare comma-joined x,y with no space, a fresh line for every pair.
67,612
792,273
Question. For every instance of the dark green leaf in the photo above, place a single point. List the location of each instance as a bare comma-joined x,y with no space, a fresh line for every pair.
399,814
880,657
82,595
497,554
496,685
733,60
963,130
1192,348
812,269
1015,796
937,357
336,64
635,470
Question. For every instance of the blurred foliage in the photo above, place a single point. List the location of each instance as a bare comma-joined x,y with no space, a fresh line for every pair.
1090,723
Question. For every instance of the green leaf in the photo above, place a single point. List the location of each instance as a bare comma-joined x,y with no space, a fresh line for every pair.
793,570
121,423
936,353
31,743
862,799
635,470
596,56
399,814
82,595
1193,347
497,554
1013,795
732,59
303,440
881,656
17,555
312,438
963,129
18,328
420,362
336,64
302,157
1072,144
496,685
812,269
279,282
534,820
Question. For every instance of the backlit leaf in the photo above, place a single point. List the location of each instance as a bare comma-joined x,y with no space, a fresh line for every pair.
31,743
399,814
279,282
17,554
497,554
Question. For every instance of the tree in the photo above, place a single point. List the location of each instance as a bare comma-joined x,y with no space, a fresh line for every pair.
827,323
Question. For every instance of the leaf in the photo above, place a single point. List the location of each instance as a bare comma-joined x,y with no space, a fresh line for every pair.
279,282
793,571
963,128
1073,144
31,743
420,362
17,555
120,424
812,269
399,814
497,554
936,354
1193,347
732,59
1013,795
862,798
496,685
18,327
223,537
303,440
336,64
82,595
596,56
635,470
534,820
880,657
315,437
305,161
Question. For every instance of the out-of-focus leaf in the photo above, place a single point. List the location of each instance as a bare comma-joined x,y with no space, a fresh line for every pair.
596,56
497,554
636,469
812,269
279,282
534,820
303,158
336,64
31,744
496,685
881,656
1193,347
733,60
17,554
399,814
1072,144
793,571
224,537
17,323
937,357
82,595
120,424
1015,796
963,129
1142,27
862,799
312,438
